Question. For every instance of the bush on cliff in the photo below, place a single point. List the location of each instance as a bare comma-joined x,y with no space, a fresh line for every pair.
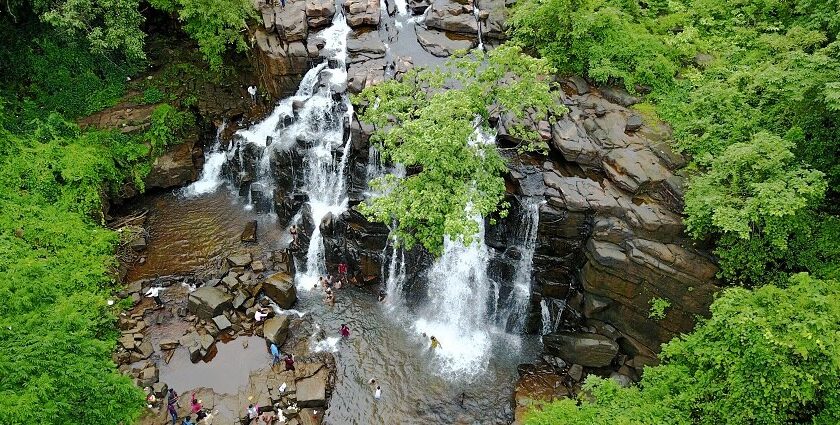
723,74
766,356
431,122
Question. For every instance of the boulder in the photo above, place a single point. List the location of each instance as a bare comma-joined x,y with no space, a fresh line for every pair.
290,22
319,13
312,390
585,349
208,302
449,15
280,287
222,322
442,44
276,329
239,260
249,234
362,12
168,344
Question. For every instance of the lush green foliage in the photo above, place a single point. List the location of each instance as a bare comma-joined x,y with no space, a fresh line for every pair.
430,121
735,80
658,307
42,72
56,330
755,198
167,125
766,356
214,24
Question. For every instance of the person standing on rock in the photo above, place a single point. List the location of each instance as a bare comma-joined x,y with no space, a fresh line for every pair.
290,362
344,331
195,405
253,412
275,354
172,412
154,293
173,398
294,232
261,314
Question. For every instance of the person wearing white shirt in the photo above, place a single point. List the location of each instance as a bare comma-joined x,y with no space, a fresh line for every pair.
378,394
260,314
154,293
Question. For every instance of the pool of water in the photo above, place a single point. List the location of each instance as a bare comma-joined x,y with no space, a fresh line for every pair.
189,234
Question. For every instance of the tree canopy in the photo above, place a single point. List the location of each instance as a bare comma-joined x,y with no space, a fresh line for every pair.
431,122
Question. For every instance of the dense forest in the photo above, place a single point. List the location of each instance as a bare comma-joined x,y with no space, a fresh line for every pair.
751,89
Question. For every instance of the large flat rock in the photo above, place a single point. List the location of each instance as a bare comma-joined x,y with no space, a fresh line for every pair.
312,390
280,287
208,302
585,349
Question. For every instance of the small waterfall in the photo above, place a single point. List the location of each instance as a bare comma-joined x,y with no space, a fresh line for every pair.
211,174
476,14
545,315
396,277
515,311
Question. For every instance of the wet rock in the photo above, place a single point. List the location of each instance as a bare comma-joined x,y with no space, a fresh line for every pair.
365,45
280,287
148,376
222,322
634,122
579,84
442,44
319,13
417,7
207,303
312,390
586,349
168,344
138,244
276,329
290,22
249,234
239,260
145,349
576,372
619,96
449,15
362,12
622,380
176,167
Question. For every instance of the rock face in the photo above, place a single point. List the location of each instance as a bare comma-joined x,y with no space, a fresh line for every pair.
208,302
362,12
585,349
450,15
610,236
312,386
280,287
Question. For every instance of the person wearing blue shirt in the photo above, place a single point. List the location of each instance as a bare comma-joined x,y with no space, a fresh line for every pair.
275,354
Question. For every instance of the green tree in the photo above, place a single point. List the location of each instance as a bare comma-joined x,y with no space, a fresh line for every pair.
755,198
214,24
429,121
766,356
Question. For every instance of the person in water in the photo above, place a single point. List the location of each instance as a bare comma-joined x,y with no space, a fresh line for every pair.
382,295
378,394
344,331
435,343
294,232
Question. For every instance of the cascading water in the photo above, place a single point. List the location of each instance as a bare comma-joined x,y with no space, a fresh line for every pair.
515,308
545,315
211,174
396,277
456,313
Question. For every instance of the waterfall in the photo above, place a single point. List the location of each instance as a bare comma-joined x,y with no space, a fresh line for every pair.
515,311
211,174
396,277
456,314
545,315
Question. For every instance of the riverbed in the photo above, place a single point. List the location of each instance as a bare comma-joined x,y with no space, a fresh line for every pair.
189,234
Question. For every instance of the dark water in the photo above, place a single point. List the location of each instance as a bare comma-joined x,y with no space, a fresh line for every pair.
189,234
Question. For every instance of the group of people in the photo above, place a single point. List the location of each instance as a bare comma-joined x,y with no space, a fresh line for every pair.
330,282
276,357
202,416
